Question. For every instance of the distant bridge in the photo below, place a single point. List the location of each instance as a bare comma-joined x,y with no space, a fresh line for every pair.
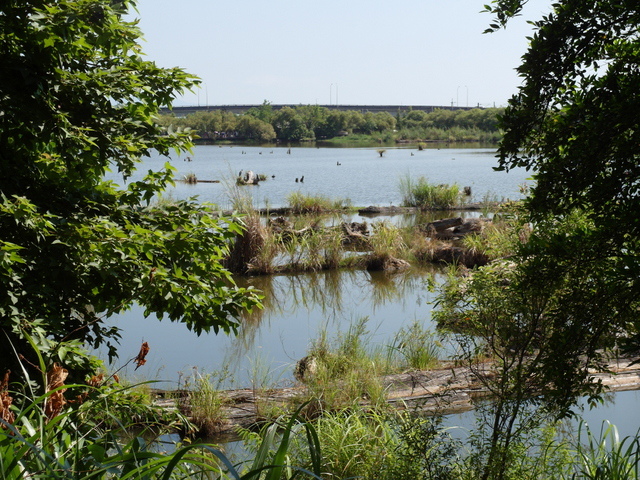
392,109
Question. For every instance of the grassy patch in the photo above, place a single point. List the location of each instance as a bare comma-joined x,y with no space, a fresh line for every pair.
345,370
422,194
300,203
415,348
204,403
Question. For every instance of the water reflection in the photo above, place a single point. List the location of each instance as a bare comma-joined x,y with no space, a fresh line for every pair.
297,307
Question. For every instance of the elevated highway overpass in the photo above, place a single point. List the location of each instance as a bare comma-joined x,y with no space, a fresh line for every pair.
392,109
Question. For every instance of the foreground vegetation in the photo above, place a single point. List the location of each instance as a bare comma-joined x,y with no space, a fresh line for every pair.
42,437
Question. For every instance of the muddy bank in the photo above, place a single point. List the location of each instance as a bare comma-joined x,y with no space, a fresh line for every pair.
445,390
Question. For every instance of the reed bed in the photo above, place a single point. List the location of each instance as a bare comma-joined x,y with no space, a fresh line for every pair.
422,194
300,203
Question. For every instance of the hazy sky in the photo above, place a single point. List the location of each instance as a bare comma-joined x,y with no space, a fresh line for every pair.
421,52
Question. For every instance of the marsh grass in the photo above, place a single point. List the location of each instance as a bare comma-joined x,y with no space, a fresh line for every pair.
324,249
422,194
300,203
347,370
386,243
355,444
253,249
205,403
498,239
605,456
369,444
250,250
387,240
416,348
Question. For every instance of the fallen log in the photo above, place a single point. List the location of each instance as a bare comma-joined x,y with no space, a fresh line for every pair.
441,391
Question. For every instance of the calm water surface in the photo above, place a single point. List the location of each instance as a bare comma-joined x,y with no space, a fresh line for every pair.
362,176
297,308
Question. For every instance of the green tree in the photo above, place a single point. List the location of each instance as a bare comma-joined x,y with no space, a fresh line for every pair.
572,293
575,123
575,119
313,116
532,328
334,122
290,126
78,100
264,112
210,124
252,128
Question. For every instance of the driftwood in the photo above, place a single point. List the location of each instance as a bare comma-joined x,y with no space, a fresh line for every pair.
454,228
284,227
355,234
446,390
441,225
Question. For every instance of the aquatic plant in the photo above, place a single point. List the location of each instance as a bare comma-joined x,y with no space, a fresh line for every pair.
203,402
415,347
346,369
422,194
300,203
605,456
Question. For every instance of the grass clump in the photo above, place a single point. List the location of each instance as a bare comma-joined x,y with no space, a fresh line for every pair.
422,194
416,348
368,444
204,402
299,203
605,456
388,246
345,371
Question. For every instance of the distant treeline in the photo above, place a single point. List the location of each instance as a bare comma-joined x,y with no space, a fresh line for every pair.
313,122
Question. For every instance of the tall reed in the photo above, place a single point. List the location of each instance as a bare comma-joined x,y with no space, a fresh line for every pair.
422,194
415,347
346,369
205,403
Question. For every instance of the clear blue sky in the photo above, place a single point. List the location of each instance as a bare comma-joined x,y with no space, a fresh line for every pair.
421,52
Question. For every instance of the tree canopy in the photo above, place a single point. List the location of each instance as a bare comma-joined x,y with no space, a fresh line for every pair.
77,99
575,119
575,122
569,293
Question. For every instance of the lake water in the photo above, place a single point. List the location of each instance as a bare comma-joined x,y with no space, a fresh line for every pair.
362,176
298,307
